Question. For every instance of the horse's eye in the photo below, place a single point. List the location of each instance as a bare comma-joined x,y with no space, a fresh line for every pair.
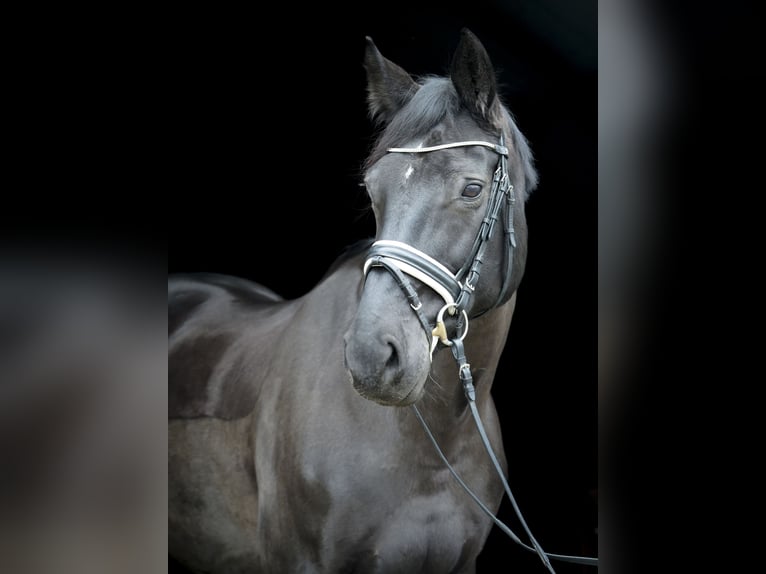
472,190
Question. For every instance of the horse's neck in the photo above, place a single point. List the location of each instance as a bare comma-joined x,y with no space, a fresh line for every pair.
444,405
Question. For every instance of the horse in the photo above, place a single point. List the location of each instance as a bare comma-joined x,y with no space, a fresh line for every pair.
290,448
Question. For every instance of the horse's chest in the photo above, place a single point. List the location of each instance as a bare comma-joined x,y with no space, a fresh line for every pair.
424,532
429,539
380,509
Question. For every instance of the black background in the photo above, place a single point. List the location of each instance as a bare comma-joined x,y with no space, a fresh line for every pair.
267,128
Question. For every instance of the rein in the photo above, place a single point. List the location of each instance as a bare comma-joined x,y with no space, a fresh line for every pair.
456,289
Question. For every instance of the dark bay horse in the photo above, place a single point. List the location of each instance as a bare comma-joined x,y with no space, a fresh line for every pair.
289,447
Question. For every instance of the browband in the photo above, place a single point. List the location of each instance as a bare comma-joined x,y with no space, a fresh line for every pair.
501,149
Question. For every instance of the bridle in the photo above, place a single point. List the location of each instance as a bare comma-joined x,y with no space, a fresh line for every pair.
457,290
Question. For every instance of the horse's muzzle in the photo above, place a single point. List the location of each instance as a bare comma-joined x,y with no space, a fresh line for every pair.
386,367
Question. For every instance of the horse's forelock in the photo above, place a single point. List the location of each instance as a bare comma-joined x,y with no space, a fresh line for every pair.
435,101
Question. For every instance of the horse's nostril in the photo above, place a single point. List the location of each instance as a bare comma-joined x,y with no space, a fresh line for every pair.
393,359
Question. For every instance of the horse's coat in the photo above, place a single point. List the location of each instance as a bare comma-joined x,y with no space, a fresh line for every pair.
276,463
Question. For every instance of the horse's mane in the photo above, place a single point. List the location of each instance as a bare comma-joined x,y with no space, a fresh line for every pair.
437,101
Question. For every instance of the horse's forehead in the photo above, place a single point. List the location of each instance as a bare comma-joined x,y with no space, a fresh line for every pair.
407,167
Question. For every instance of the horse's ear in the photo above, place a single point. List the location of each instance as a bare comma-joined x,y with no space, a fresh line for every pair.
473,75
389,87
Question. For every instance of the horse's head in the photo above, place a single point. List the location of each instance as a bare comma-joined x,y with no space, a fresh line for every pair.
433,206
